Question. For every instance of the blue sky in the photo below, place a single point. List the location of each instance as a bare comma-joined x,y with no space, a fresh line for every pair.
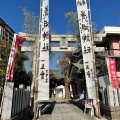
104,13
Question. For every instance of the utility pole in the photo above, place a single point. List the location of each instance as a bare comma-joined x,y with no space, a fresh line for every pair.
37,63
95,74
97,86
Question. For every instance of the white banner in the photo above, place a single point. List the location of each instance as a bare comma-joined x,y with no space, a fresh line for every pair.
43,82
86,44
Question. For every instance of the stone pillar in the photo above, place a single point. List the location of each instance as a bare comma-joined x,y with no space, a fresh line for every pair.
116,97
7,102
103,95
28,96
106,96
119,95
26,99
110,95
22,89
15,100
18,101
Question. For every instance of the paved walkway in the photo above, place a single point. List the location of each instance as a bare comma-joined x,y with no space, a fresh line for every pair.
61,109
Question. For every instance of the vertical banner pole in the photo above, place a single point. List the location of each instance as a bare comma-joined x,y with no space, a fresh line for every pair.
85,28
43,78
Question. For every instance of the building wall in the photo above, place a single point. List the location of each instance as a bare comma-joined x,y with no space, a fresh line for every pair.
6,31
76,85
115,51
115,45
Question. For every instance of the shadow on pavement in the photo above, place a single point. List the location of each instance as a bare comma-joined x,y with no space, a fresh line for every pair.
79,104
48,109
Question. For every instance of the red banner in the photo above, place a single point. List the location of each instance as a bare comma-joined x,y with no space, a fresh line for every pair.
17,42
113,73
11,72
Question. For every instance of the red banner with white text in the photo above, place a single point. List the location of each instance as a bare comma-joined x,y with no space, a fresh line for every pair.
113,73
17,42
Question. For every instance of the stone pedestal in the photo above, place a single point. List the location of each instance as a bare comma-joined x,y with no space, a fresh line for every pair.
7,101
111,113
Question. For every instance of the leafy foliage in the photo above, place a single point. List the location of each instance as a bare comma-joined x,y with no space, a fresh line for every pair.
100,60
64,64
3,61
20,74
76,56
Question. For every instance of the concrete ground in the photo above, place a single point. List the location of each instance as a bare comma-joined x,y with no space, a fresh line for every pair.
62,109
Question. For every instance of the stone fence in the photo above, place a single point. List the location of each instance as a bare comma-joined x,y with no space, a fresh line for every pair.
15,100
110,96
110,99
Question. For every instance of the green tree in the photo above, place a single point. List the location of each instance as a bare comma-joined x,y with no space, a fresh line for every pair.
100,60
20,74
101,66
3,59
64,64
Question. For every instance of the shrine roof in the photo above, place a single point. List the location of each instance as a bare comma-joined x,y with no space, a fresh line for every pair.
78,66
57,74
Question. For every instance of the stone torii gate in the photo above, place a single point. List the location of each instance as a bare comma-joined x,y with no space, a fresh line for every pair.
62,39
42,49
85,28
53,39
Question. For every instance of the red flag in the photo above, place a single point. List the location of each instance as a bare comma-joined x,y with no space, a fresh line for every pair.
11,72
113,73
11,58
17,42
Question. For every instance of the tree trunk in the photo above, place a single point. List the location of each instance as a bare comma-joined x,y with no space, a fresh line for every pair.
67,91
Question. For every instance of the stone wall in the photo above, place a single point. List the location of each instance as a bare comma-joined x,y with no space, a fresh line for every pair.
15,100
